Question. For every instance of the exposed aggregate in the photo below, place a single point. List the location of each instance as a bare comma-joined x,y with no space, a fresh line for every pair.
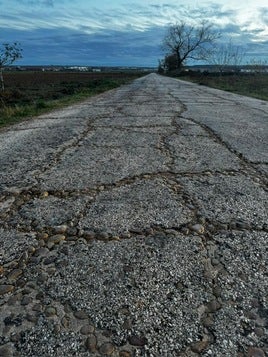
137,228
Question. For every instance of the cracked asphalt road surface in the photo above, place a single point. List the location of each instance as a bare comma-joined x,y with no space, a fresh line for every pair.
135,224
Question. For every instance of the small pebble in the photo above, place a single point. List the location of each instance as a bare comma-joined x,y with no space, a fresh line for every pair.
65,322
213,306
106,349
125,354
56,239
91,343
31,318
217,291
60,229
42,236
259,331
81,315
14,274
208,321
137,341
103,236
255,352
200,346
198,228
4,289
26,300
50,311
87,329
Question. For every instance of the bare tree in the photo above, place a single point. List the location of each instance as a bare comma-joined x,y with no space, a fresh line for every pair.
189,42
9,53
227,55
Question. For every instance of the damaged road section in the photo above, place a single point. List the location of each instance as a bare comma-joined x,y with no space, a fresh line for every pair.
135,224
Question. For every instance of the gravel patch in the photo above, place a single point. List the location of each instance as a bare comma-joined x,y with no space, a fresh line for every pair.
136,206
225,198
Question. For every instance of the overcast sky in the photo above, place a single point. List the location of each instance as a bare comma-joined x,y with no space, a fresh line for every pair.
123,33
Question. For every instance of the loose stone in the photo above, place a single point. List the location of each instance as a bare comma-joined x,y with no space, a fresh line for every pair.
208,321
87,329
88,235
26,300
213,306
37,307
41,252
124,354
71,231
137,341
103,236
106,349
1,270
13,299
42,278
4,289
217,291
65,322
31,318
200,346
81,315
255,352
185,231
198,228
91,343
50,311
259,331
43,236
56,239
60,229
31,250
127,324
49,260
14,274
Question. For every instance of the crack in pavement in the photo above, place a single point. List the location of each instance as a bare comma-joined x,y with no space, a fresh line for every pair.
121,257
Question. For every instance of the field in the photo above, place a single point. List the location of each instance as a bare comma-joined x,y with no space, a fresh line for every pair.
31,93
28,94
249,84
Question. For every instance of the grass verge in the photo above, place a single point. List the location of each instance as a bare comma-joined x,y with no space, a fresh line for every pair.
31,94
252,85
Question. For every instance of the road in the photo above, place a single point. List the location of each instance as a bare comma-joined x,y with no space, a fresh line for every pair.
135,224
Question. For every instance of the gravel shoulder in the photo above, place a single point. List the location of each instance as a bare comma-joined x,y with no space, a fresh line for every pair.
135,224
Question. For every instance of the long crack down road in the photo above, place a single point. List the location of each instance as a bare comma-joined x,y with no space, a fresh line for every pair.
135,224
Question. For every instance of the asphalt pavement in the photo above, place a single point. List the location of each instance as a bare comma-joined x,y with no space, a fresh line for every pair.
135,224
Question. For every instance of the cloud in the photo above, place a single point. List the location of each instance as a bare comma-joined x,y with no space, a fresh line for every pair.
71,31
45,3
65,46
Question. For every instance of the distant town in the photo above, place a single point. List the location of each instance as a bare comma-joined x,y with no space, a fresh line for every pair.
96,69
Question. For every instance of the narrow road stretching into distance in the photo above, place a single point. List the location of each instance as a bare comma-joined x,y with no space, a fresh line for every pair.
135,224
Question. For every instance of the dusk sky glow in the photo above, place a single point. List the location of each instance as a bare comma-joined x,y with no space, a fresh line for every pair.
123,33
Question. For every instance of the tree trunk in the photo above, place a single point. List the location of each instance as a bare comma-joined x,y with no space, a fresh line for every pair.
179,61
2,80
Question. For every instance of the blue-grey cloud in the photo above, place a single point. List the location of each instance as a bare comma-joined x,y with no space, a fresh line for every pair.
64,46
124,35
46,3
264,15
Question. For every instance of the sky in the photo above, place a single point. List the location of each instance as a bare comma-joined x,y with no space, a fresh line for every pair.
124,33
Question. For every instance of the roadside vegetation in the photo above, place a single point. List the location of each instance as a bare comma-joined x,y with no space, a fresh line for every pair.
29,94
184,42
249,84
